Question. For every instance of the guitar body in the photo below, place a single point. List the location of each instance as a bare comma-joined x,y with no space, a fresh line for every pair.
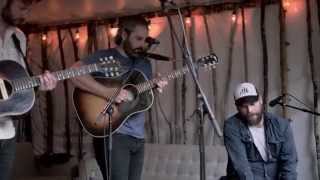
13,102
89,106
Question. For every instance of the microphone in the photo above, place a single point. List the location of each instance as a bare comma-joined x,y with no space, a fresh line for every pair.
154,56
150,41
276,100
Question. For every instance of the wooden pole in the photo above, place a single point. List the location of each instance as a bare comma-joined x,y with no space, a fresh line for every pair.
74,45
66,95
264,54
230,64
177,109
50,114
108,27
92,37
183,104
213,76
244,40
314,83
191,30
74,42
283,55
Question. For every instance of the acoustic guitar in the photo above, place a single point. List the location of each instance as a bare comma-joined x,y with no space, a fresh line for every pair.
16,86
90,108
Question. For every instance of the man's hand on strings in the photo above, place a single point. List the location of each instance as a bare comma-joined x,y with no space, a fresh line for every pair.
161,83
123,96
48,81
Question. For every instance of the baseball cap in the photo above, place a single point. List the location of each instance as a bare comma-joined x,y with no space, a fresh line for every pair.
245,93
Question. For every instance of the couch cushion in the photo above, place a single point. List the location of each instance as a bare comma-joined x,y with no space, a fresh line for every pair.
181,162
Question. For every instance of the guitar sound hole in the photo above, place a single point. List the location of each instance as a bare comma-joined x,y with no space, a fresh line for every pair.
5,89
133,92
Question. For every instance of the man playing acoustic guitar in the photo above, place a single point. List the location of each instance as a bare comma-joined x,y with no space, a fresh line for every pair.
9,51
128,139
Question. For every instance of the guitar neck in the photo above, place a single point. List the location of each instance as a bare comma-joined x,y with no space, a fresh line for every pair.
31,82
145,86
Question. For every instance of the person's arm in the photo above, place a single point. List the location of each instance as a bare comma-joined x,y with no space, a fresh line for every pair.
237,152
88,83
47,80
288,157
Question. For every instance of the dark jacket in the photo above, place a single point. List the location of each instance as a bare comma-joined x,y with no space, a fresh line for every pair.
244,159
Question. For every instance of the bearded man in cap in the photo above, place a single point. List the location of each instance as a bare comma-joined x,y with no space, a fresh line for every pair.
260,145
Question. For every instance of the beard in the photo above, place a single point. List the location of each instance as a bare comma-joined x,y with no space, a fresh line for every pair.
254,119
130,51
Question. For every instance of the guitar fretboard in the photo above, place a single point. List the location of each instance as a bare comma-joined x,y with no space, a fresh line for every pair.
31,82
145,86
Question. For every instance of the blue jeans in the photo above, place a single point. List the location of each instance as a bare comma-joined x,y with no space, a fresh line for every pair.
127,157
7,156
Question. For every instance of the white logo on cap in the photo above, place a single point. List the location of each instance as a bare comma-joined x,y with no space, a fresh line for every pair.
244,91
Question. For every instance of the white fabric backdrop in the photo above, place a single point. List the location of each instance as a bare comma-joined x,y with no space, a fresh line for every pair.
220,24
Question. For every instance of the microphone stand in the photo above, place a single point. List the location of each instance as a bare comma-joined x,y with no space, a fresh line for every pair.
298,108
203,101
201,113
108,110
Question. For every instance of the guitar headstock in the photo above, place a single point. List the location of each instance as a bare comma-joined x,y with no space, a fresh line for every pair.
110,66
208,62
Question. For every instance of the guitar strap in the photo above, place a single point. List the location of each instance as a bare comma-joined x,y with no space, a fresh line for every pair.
23,123
17,45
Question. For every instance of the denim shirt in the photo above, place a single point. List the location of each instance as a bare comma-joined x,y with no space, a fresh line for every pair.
244,159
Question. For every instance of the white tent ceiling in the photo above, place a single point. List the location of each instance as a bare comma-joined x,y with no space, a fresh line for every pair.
58,11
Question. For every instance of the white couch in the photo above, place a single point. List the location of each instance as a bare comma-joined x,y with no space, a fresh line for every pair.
162,162
170,162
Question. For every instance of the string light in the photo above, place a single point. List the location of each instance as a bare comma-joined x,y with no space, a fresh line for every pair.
234,16
113,31
44,37
286,4
77,36
188,21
